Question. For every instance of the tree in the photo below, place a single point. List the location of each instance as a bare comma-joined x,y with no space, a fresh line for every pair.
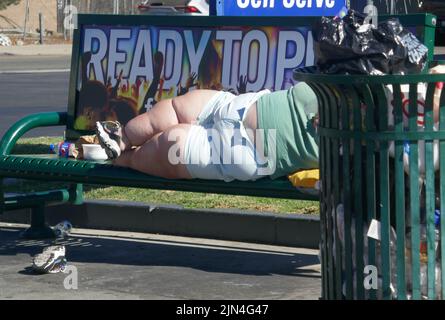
5,3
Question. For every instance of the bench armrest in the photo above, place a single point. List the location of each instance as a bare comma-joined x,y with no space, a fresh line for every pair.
18,129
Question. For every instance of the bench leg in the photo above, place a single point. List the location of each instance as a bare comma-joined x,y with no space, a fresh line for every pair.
76,193
39,228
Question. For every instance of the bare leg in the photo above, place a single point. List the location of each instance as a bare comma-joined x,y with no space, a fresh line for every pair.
159,156
165,114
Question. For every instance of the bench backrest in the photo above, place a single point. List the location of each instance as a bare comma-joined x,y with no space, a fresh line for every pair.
122,65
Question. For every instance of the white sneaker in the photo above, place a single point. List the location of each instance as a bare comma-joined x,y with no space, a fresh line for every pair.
109,135
51,260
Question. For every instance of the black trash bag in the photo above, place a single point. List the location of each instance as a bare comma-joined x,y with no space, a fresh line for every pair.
350,46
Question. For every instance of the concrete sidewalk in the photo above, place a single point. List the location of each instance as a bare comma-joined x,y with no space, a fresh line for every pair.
269,228
123,265
37,50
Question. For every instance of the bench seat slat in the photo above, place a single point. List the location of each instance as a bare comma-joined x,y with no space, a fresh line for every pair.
58,169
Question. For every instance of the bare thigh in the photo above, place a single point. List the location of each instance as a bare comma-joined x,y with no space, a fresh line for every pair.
161,155
189,106
165,114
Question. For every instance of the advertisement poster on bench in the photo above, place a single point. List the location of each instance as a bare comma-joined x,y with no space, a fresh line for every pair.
124,71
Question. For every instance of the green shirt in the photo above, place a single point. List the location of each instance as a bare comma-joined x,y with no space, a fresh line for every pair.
290,113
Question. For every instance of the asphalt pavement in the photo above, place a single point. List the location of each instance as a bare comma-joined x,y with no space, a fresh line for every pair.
31,64
24,94
123,265
31,84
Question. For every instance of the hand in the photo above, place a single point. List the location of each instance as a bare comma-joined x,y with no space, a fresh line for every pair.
109,82
119,79
242,84
181,90
191,81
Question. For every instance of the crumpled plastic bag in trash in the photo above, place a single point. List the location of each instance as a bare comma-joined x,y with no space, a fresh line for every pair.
351,46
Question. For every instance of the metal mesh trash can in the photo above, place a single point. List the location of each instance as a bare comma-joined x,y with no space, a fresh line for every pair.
382,166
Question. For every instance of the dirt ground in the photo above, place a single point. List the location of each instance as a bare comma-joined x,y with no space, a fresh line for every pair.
13,17
32,39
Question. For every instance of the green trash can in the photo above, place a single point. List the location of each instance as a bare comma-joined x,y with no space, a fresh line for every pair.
382,169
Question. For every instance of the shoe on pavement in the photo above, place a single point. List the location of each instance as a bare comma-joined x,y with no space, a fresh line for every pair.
51,260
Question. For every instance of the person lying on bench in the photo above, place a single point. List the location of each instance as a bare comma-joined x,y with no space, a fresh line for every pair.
208,134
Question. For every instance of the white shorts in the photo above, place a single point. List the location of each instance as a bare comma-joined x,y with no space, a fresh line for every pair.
218,146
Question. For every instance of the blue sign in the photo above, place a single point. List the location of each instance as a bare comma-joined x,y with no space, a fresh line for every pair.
279,7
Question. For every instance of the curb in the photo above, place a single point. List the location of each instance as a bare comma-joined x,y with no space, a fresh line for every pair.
222,224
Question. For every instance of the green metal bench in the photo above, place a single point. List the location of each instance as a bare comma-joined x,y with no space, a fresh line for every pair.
79,172
53,168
